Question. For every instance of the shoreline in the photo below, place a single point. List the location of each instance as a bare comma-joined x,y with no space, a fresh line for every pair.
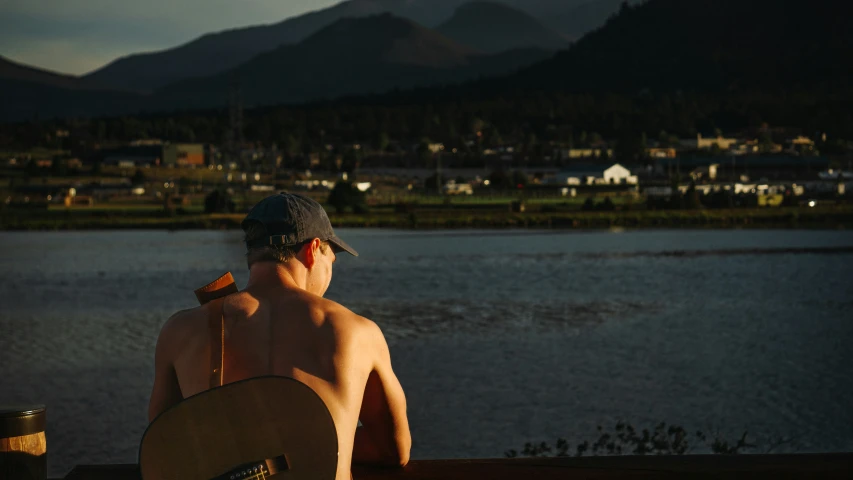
835,217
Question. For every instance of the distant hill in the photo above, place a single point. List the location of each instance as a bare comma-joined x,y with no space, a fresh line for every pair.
429,13
709,45
30,100
216,52
28,92
569,18
353,56
575,21
715,46
10,70
494,27
350,57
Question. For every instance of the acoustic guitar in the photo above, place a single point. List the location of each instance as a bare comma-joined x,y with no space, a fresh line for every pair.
254,429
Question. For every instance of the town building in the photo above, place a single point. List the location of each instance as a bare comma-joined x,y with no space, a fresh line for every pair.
614,174
184,154
770,167
661,152
702,143
576,153
132,156
153,153
705,172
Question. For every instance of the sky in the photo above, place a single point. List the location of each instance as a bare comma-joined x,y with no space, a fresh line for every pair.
78,36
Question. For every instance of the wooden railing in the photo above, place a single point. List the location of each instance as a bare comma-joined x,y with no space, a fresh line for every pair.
749,467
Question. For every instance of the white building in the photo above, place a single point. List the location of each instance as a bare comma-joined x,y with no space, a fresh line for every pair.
453,188
596,175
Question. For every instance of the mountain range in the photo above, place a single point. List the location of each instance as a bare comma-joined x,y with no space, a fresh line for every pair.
353,56
706,45
660,45
389,53
486,26
494,27
482,27
217,52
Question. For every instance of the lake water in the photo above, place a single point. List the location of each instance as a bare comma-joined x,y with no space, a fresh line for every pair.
498,337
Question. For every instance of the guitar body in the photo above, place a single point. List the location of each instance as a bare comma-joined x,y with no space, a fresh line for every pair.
265,427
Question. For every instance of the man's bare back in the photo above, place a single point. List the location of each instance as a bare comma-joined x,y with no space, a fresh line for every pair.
281,325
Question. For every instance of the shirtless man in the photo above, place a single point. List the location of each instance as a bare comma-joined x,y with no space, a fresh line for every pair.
281,325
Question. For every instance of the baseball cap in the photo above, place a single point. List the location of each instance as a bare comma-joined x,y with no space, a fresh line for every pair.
292,220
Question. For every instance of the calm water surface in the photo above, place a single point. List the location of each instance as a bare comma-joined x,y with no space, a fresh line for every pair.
498,338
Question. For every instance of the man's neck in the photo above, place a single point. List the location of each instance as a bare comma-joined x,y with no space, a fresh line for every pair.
266,274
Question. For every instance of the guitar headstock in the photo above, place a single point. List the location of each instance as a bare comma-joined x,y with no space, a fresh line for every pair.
221,287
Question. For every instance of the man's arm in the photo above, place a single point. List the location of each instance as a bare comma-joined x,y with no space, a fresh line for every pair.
384,436
166,391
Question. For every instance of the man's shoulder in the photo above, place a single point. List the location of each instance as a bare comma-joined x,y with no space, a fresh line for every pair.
184,322
341,317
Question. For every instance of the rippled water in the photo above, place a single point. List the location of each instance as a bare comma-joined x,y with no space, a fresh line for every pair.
498,337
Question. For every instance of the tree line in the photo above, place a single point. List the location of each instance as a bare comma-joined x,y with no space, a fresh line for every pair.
529,122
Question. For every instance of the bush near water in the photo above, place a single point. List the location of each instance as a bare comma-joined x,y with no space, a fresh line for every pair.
663,439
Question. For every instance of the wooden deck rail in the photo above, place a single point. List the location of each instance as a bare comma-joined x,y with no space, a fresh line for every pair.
749,467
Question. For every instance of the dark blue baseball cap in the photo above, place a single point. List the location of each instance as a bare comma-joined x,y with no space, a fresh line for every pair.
292,220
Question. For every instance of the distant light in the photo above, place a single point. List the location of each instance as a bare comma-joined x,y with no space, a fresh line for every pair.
812,203
166,185
486,182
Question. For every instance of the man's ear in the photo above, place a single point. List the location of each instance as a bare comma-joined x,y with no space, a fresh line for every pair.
312,249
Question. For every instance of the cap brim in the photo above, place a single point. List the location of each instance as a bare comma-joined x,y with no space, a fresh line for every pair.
341,246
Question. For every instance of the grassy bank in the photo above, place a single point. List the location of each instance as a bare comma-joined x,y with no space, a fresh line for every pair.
791,217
